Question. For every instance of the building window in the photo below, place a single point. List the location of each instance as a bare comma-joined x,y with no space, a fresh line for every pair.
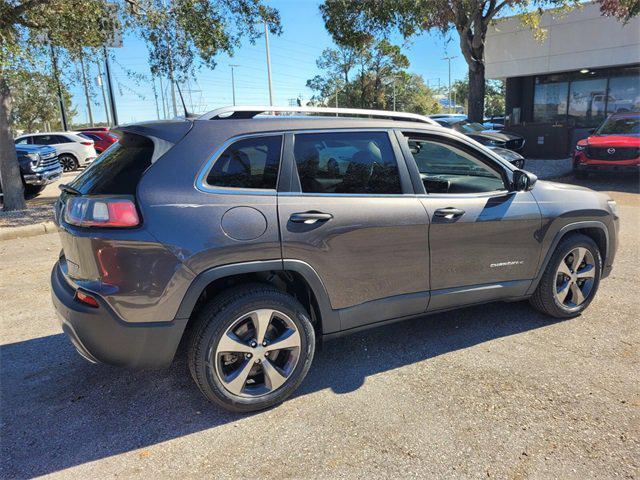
550,102
587,102
624,94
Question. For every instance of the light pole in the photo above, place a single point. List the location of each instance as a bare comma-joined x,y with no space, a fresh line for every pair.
266,40
233,82
449,59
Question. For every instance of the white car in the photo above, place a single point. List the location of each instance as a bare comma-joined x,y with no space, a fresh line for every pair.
73,150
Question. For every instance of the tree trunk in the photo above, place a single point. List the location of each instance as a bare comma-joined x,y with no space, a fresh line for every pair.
12,189
476,92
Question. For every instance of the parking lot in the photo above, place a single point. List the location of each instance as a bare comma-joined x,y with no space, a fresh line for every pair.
491,391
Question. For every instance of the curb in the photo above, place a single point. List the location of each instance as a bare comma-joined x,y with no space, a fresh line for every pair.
11,233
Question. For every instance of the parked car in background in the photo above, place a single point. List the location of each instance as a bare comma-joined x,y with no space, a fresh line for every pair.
73,150
613,147
101,139
514,158
39,166
311,227
494,123
481,134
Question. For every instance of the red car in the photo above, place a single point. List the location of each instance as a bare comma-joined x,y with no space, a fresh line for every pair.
614,146
101,136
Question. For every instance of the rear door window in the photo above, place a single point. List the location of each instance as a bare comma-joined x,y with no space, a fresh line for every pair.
250,163
347,162
119,169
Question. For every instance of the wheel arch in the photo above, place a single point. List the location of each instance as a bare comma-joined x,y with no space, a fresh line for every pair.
594,229
292,276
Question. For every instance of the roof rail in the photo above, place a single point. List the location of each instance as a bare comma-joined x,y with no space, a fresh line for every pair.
243,112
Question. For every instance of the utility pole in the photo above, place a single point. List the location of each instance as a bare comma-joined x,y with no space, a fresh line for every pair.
112,100
162,99
86,90
104,95
394,94
233,82
155,95
449,59
56,74
266,39
337,98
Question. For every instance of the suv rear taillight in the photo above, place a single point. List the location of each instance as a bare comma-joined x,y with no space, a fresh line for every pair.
116,211
88,144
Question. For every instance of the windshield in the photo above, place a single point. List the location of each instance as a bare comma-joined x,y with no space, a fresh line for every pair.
468,127
620,126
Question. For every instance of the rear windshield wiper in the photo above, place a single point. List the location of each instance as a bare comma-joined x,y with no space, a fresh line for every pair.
69,189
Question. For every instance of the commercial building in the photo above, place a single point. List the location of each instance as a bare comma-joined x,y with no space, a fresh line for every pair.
560,88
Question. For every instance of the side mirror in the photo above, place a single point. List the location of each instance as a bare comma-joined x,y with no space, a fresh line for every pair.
523,181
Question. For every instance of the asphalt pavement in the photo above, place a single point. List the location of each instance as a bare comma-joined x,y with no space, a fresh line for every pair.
491,391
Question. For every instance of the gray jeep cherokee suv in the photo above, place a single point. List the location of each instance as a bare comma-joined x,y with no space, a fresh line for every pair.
252,236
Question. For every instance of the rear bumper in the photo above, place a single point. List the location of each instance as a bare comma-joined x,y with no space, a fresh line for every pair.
87,160
100,335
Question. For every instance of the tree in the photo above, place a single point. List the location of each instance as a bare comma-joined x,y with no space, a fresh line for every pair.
622,9
354,23
494,103
182,34
35,102
366,77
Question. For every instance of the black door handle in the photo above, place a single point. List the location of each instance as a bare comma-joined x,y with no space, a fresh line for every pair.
310,217
449,213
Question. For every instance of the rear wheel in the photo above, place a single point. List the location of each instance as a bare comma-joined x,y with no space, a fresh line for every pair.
571,278
251,348
68,162
33,189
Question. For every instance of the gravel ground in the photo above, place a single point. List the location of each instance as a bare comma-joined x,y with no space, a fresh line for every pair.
39,207
492,391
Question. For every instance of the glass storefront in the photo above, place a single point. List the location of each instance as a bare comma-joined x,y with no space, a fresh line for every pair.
584,99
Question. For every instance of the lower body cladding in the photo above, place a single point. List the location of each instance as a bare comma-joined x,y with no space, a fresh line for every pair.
100,335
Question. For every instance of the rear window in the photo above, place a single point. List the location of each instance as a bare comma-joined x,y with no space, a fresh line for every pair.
119,169
250,163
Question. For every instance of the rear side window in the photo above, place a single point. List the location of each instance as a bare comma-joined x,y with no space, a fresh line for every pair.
119,169
248,163
347,162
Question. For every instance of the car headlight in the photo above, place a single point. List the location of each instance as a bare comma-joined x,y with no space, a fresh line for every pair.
613,206
580,148
496,143
34,160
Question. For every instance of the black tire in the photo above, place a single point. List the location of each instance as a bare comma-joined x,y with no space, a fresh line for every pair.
543,298
213,321
68,162
33,190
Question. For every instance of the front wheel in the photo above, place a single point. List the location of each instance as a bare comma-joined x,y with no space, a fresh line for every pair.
571,278
251,348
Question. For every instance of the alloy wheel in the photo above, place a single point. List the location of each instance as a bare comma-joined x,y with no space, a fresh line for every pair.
257,353
575,278
68,164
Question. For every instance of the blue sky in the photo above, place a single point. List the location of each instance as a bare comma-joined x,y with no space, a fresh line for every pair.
293,56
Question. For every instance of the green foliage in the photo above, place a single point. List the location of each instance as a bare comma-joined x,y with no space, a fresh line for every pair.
364,77
355,23
494,103
35,102
624,10
183,34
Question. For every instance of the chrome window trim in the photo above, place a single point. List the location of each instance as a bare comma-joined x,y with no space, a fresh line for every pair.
201,179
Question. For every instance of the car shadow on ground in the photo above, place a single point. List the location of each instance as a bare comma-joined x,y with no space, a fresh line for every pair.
59,411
